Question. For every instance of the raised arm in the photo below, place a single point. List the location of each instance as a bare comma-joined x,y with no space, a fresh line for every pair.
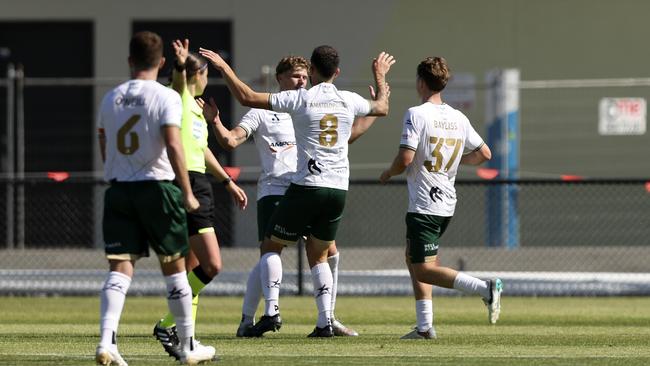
403,159
228,139
242,92
362,124
172,136
477,157
181,50
380,67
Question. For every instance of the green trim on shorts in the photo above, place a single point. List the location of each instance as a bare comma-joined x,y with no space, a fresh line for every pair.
423,234
317,210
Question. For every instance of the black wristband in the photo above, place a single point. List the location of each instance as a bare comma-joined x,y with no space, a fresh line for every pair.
179,67
226,181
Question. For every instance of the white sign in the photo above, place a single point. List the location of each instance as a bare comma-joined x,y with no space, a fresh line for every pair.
622,116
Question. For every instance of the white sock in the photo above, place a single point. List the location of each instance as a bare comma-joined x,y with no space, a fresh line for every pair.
112,299
271,278
179,300
424,314
252,296
471,285
321,277
333,261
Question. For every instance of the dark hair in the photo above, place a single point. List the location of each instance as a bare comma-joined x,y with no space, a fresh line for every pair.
193,64
434,72
325,60
291,62
145,50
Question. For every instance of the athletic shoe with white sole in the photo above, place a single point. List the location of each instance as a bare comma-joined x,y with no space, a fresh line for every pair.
341,330
106,356
198,354
415,334
494,303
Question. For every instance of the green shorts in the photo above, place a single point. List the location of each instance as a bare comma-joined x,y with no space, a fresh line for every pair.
265,208
423,233
142,214
316,210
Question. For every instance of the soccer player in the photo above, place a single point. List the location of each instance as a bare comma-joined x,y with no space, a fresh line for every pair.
436,138
189,79
140,143
275,141
322,117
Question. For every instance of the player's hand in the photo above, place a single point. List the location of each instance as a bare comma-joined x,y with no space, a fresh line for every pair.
191,203
213,57
382,63
181,50
373,94
384,177
210,110
238,195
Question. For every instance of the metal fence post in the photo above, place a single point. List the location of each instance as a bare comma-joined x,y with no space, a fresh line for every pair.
10,156
20,157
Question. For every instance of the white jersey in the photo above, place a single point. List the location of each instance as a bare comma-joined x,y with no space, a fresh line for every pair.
439,135
132,116
276,145
322,120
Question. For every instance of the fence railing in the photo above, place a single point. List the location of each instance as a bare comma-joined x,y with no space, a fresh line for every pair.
567,229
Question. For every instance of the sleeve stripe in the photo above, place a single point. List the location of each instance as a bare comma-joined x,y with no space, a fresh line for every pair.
246,129
402,146
479,147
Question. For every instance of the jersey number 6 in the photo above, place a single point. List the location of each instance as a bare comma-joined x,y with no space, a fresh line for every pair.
122,134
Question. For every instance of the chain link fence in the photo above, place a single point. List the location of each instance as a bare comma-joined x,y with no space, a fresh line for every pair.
576,237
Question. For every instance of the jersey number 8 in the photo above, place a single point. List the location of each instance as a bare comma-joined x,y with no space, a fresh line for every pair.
328,125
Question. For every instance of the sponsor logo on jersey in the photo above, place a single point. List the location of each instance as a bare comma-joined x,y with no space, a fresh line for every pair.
275,118
281,145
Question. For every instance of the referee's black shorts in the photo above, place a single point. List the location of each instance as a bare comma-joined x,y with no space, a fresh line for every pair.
201,220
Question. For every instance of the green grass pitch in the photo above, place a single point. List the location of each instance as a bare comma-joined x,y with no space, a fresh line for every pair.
531,331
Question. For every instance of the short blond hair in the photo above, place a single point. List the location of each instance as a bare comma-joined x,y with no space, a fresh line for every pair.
291,62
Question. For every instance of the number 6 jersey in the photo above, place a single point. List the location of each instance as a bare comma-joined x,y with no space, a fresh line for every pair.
322,120
132,116
439,135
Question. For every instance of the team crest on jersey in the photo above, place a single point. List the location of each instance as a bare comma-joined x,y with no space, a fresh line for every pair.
313,167
436,194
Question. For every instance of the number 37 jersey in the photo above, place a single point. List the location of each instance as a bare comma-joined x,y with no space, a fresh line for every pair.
439,135
132,116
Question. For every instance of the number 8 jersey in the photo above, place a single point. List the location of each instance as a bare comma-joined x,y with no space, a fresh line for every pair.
322,120
132,116
439,135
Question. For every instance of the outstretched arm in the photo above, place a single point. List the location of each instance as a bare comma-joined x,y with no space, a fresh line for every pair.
242,92
403,159
380,67
181,50
228,139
